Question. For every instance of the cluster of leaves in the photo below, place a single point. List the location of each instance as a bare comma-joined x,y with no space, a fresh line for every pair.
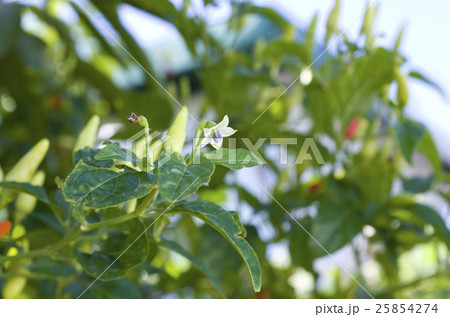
351,100
114,201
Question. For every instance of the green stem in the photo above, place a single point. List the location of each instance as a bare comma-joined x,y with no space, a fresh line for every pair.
157,214
147,200
109,222
144,123
135,214
31,254
197,141
77,230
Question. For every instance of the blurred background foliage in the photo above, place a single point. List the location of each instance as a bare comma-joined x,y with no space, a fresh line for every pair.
373,205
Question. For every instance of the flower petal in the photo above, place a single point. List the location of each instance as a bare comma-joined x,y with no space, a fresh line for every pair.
205,142
207,132
227,131
217,143
224,123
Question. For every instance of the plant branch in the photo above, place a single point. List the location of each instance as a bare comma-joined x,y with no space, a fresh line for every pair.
77,230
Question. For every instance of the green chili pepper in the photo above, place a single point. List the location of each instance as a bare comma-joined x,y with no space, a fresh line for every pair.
333,19
25,203
370,148
155,150
309,37
399,40
177,132
185,89
402,89
88,135
14,285
24,170
369,18
159,227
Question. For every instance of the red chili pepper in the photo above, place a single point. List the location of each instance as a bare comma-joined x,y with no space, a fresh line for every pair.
4,227
315,187
352,128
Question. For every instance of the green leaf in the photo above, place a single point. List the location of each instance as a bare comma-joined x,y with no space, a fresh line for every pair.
10,26
335,225
84,18
417,184
162,8
87,156
223,221
176,180
101,187
409,133
110,12
278,49
421,77
171,245
234,159
113,151
430,216
125,247
269,13
428,148
100,265
119,289
60,27
131,236
47,266
36,191
50,220
237,219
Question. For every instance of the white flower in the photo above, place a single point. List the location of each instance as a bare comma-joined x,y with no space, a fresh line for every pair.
216,134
